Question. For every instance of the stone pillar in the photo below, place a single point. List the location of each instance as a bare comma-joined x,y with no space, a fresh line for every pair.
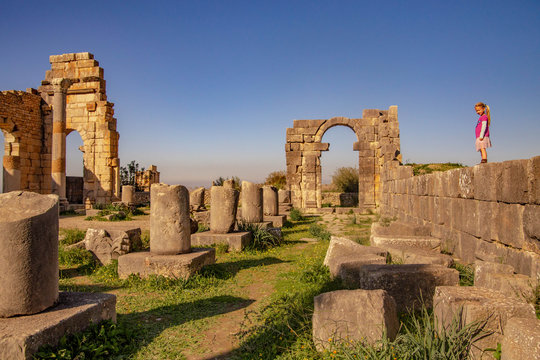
284,196
58,166
28,252
223,206
170,229
11,173
127,194
196,199
270,200
252,202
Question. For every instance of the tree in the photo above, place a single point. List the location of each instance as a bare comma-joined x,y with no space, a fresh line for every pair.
277,179
345,179
128,173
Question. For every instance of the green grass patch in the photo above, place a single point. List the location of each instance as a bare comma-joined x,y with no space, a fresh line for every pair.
466,274
421,169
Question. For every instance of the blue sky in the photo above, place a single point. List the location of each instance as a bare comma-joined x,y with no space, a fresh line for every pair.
205,89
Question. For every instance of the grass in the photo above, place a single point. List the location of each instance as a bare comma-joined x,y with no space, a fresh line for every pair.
421,169
466,274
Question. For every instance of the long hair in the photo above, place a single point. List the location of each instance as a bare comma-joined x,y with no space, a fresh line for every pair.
486,110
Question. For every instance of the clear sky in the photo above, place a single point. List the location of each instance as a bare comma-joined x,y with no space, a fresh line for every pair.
204,89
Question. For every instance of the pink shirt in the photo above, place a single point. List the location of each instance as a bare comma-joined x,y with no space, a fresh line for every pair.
478,129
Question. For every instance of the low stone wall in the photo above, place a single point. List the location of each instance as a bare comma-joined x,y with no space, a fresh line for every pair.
340,199
487,212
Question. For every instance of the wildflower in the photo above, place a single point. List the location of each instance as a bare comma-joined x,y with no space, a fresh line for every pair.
329,339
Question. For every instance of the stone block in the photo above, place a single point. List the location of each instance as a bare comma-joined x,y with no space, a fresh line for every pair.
486,178
341,250
516,286
181,266
252,202
466,183
108,245
484,269
277,220
196,199
521,339
223,207
467,245
237,241
270,201
534,180
22,336
421,242
514,186
410,285
487,211
509,224
471,304
472,220
531,228
409,255
353,315
28,252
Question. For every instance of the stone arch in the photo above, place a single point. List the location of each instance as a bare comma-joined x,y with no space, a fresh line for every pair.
88,112
378,142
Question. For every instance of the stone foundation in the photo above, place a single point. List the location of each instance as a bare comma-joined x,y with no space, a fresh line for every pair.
236,241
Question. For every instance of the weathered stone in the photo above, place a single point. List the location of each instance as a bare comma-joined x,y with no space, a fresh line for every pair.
501,277
509,224
223,205
515,183
277,221
484,269
180,266
400,228
534,180
353,315
170,228
410,255
342,250
472,304
486,179
252,202
127,194
196,199
22,336
421,242
521,339
411,286
531,227
284,196
236,241
28,252
270,200
108,245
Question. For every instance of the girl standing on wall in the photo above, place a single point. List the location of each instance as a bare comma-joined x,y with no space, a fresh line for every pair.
482,130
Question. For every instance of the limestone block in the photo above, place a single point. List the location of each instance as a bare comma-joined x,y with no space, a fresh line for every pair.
453,188
353,315
531,228
170,228
294,158
252,202
484,269
524,262
223,207
515,183
472,220
473,304
534,180
128,192
341,250
409,285
284,196
411,255
509,224
487,214
486,179
521,339
270,200
196,199
466,249
108,245
28,252
466,183
516,286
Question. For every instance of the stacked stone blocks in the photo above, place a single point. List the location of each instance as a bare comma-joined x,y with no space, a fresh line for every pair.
378,143
487,212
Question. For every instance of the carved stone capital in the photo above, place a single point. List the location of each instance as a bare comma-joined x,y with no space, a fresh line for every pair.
60,84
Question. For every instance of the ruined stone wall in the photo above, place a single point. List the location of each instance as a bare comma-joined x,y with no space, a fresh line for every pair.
26,125
90,114
145,179
377,133
488,212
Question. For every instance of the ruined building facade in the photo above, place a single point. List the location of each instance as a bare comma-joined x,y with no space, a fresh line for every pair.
35,123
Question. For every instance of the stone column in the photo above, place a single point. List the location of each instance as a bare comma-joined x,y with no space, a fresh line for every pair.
58,166
252,202
28,252
127,194
223,206
196,199
270,200
170,228
11,173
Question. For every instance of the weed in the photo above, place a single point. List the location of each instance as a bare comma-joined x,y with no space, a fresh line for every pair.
261,238
296,215
319,232
466,274
202,227
71,236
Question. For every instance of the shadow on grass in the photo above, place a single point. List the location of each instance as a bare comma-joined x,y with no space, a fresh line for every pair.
88,287
228,269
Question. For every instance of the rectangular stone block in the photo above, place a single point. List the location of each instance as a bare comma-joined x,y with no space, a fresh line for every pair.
487,214
21,337
472,220
466,183
353,315
473,304
293,158
486,178
534,180
467,248
514,186
410,285
237,241
509,224
531,228
521,339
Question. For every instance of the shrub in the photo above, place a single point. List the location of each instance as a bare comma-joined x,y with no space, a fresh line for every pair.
296,215
466,274
346,179
319,232
277,179
220,180
261,238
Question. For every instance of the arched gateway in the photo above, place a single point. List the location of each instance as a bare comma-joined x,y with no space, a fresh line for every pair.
378,142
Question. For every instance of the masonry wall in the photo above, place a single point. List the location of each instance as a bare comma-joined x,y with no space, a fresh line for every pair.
26,126
487,212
